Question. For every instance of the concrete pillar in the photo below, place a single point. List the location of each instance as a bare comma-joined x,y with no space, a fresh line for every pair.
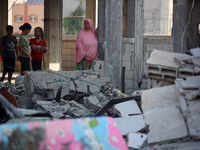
53,33
113,38
101,28
180,19
138,35
91,10
3,17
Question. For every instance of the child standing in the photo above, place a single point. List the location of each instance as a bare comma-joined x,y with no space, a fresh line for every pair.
24,55
8,48
38,47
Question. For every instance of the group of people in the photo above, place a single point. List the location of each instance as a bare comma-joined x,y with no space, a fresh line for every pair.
25,50
86,49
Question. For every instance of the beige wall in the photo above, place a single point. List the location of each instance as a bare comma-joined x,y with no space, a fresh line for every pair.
68,52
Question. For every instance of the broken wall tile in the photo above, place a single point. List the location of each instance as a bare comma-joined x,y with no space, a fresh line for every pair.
130,124
136,140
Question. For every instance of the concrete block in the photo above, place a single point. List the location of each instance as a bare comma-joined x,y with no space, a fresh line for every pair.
129,47
128,74
161,72
187,71
150,47
146,56
126,64
129,84
129,91
128,40
127,56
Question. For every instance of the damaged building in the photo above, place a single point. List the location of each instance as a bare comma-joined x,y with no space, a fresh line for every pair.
142,92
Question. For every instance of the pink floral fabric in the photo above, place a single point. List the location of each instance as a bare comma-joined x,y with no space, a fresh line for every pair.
86,44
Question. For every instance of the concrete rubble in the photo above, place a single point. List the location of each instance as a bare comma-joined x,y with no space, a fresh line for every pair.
171,107
166,67
166,117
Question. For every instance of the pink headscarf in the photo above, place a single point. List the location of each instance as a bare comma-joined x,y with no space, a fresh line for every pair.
86,44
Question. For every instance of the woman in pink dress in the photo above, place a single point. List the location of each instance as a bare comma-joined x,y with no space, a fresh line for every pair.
86,46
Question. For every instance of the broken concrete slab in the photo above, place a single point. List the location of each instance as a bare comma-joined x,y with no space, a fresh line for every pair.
136,140
188,145
92,103
195,51
180,96
191,82
192,95
130,124
193,122
128,108
196,61
161,112
163,58
182,61
165,125
158,98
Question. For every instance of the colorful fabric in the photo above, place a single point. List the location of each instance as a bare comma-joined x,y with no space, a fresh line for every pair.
86,45
37,54
83,65
9,46
99,133
23,41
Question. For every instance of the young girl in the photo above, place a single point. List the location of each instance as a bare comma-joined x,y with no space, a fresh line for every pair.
24,51
38,47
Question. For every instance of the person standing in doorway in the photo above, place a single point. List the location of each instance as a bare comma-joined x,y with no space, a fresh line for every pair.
86,46
38,47
8,48
24,50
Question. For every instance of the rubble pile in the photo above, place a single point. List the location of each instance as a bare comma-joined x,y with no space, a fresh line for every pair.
68,94
171,108
163,68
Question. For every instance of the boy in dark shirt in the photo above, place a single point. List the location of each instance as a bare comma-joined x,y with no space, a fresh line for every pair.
8,48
